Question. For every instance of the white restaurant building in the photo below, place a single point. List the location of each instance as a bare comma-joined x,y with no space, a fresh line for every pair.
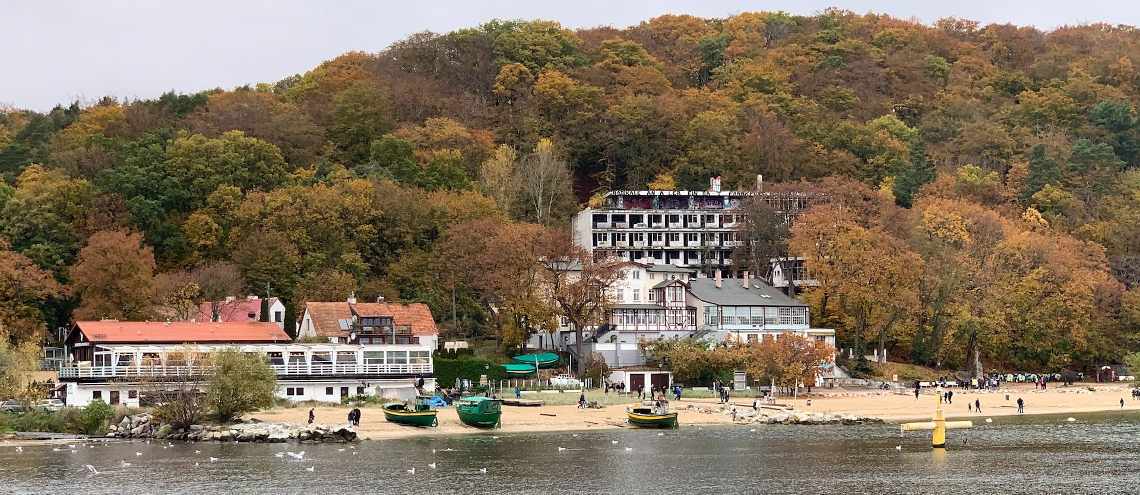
133,363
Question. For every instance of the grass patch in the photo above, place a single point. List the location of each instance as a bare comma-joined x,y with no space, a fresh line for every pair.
905,372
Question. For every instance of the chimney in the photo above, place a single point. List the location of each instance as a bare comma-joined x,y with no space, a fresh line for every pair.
744,281
352,298
716,282
759,183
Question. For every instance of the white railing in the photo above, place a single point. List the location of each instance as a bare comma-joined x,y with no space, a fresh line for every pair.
281,369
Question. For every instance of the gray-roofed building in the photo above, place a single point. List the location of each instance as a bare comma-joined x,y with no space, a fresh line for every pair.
747,310
733,292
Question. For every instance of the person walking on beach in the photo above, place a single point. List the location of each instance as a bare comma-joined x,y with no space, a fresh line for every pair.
1020,406
978,406
950,397
312,416
1122,402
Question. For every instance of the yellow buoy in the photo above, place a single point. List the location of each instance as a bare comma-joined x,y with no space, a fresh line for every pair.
938,426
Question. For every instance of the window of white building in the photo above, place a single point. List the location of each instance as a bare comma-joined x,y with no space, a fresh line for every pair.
636,294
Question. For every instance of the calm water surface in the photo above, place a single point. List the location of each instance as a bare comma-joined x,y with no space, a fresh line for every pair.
1097,454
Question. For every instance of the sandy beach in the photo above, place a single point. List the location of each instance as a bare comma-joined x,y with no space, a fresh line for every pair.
887,406
1057,399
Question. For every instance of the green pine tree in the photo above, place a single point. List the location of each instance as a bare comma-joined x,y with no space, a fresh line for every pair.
920,172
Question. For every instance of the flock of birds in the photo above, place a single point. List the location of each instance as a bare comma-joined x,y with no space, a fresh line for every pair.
290,455
300,456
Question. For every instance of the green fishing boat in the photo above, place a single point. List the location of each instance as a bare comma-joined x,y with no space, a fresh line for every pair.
647,417
480,412
541,359
417,413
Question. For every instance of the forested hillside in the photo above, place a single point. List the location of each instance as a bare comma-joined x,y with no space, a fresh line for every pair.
971,138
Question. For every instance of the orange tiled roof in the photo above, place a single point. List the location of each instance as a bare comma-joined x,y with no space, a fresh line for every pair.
325,316
177,332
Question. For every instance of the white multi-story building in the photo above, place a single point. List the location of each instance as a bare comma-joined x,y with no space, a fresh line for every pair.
133,363
694,229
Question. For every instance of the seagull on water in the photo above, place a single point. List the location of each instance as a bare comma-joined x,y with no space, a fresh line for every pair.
340,450
483,470
613,442
213,459
91,468
989,420
560,449
138,454
898,447
297,455
197,451
311,468
432,465
124,464
494,438
412,471
19,449
660,434
1070,419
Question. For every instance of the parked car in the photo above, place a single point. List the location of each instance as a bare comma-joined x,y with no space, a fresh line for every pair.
565,381
13,406
50,404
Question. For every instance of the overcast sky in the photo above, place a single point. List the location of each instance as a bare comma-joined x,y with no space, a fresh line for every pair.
59,51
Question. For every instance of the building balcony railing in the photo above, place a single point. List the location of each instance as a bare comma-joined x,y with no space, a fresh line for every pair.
638,243
657,225
639,225
676,225
621,225
158,371
602,225
693,243
733,243
657,243
604,244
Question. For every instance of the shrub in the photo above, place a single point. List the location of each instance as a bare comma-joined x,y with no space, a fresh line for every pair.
447,370
240,384
91,420
36,420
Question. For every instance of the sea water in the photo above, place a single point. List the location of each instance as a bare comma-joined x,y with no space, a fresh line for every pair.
1095,454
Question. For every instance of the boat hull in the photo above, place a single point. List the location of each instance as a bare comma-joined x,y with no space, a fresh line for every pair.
652,420
417,418
480,419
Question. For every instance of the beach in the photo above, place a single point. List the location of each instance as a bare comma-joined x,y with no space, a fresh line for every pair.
888,406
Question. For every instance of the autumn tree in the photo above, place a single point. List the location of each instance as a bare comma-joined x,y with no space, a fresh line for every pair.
545,183
577,284
502,264
113,277
216,281
763,237
788,360
24,290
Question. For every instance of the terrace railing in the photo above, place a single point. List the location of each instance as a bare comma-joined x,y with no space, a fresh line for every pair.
300,369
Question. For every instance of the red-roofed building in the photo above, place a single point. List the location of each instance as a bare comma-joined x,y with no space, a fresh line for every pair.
238,310
380,322
135,362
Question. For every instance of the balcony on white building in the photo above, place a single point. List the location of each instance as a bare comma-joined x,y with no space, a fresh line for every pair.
171,361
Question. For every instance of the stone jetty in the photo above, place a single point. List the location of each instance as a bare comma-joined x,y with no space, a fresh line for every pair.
145,426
